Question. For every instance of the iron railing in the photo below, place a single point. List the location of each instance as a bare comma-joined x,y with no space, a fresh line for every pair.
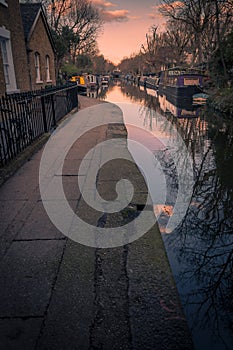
24,117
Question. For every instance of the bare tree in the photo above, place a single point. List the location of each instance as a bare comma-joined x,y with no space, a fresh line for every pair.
151,47
178,38
195,14
223,21
81,18
207,22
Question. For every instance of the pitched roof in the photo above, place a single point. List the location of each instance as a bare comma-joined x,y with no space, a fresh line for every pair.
30,13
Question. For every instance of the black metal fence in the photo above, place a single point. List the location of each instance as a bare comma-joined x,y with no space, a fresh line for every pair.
24,117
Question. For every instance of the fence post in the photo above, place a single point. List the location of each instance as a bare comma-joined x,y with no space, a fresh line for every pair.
44,114
53,110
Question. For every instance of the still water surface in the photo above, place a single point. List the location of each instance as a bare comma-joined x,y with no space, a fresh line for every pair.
200,248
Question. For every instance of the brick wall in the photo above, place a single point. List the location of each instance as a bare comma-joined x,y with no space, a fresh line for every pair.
39,36
18,47
11,19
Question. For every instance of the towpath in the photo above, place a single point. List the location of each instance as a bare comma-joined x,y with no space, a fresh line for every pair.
56,293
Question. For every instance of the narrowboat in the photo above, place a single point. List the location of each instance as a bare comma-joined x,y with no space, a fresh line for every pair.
116,74
91,80
180,84
149,82
104,81
81,82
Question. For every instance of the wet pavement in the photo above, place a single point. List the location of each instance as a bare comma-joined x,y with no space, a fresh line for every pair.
59,294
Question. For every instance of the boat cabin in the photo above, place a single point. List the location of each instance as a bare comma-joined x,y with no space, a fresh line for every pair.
181,77
180,83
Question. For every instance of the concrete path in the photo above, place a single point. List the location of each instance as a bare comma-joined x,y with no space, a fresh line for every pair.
59,294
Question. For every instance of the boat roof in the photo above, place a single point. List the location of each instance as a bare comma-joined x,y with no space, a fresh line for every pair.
187,70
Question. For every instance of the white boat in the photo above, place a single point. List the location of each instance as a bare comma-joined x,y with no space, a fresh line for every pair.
91,80
105,80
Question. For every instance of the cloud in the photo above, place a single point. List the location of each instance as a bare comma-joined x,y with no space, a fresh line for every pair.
115,16
111,15
103,3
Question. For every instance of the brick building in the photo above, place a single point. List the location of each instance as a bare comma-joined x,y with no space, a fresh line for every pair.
39,45
26,48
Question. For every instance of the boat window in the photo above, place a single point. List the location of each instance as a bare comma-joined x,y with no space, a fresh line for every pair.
191,81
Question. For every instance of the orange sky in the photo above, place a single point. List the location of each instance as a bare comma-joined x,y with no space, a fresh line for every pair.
126,24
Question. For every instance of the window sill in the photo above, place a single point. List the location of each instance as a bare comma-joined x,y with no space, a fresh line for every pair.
4,3
49,81
39,82
12,91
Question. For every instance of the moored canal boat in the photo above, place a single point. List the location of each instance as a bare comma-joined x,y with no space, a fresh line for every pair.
180,84
104,80
81,82
91,81
149,82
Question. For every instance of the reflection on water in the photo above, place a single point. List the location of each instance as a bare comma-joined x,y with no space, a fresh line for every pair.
178,110
96,92
200,250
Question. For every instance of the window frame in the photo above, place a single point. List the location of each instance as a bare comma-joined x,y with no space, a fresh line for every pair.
7,61
47,68
37,67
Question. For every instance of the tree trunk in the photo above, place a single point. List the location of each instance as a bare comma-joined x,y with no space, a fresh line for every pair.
219,42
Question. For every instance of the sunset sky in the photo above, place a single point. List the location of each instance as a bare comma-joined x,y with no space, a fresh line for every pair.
126,24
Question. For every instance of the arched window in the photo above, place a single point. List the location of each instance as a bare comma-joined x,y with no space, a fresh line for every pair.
47,60
37,66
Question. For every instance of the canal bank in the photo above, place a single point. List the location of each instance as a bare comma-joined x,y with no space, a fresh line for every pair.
59,294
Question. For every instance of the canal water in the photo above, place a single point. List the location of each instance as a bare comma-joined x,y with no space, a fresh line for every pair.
197,145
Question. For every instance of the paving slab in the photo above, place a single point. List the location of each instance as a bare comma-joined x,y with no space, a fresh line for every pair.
71,311
13,216
38,226
10,208
27,274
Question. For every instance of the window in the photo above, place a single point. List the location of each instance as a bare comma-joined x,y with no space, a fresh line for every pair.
7,60
48,78
37,66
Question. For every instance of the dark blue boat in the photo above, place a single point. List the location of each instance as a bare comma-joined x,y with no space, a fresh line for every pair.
180,84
